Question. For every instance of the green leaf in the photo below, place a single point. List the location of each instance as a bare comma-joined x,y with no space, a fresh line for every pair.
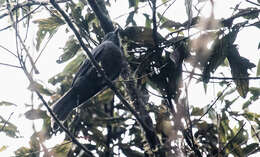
196,111
251,116
105,97
148,21
141,35
258,68
62,149
167,23
23,152
9,129
71,48
246,104
129,152
35,114
130,19
40,88
250,148
239,67
164,1
6,103
3,148
256,24
219,52
34,143
48,25
229,103
133,3
252,13
255,93
229,92
69,69
188,5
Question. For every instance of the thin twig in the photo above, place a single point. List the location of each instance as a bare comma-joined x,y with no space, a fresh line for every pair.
42,50
10,65
31,153
252,3
3,127
228,85
14,24
25,16
233,138
255,133
127,13
165,11
29,4
104,20
153,7
225,78
8,51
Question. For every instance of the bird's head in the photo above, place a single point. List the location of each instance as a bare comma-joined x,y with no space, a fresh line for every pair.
113,36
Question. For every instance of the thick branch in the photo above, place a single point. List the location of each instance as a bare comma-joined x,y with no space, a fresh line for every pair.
104,20
154,22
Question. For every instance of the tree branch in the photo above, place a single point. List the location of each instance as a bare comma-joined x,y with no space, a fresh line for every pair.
29,4
104,20
224,78
21,18
7,121
36,90
153,7
10,65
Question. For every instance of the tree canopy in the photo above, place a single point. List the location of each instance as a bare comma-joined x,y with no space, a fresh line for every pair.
154,108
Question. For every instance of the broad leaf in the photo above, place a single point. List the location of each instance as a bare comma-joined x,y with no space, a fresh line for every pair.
148,21
250,148
219,53
48,25
133,3
6,103
70,50
130,19
239,67
167,23
67,72
258,68
188,5
40,88
35,114
8,128
62,149
141,35
3,148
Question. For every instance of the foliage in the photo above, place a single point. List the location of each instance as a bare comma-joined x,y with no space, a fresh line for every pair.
162,65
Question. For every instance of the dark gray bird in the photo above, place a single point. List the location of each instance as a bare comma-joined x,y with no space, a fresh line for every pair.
88,82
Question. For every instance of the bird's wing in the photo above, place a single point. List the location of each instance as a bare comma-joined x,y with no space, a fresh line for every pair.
87,63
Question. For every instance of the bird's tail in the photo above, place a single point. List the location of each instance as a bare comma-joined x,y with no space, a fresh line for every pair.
64,105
